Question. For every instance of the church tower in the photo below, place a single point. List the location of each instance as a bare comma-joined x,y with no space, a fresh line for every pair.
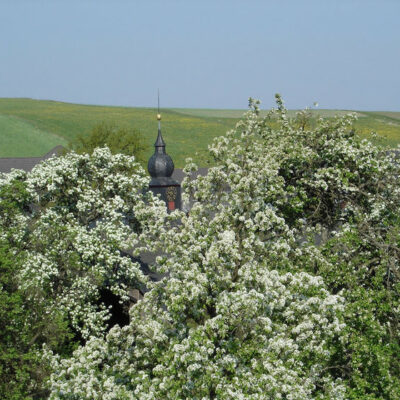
161,167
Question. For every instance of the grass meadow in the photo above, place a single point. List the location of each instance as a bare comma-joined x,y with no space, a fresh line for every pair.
19,138
30,128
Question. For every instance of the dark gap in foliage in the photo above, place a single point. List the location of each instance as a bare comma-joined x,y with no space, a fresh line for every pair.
119,312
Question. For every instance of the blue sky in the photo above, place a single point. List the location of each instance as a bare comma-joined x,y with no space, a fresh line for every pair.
344,54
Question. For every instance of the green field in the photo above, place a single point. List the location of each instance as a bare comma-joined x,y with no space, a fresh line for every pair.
30,128
19,138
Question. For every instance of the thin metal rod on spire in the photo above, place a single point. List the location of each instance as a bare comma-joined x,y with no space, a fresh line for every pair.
159,115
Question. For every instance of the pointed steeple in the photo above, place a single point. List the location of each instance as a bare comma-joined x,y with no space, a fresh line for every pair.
160,164
161,167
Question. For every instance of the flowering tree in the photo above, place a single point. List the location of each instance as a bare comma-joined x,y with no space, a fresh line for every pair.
236,315
80,218
73,225
282,282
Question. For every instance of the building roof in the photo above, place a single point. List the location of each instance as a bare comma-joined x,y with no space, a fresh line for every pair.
178,174
26,163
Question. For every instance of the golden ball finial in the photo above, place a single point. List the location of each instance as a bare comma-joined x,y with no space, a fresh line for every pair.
159,117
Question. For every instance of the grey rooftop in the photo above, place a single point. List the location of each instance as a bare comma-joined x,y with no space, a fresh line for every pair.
26,163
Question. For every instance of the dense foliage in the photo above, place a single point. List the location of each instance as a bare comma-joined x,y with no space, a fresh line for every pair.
120,140
72,227
18,358
281,283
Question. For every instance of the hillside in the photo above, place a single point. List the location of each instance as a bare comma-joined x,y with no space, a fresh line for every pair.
30,127
19,138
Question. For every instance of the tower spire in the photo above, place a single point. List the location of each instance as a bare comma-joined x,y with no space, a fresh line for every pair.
159,144
160,163
161,167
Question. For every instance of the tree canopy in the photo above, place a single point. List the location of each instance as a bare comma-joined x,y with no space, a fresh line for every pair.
71,228
120,140
281,282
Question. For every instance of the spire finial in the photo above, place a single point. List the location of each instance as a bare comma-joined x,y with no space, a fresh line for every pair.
158,114
159,144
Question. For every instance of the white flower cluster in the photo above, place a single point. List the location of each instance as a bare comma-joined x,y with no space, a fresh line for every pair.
86,212
234,317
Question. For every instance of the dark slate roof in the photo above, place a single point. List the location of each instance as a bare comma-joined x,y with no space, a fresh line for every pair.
178,174
394,152
26,163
